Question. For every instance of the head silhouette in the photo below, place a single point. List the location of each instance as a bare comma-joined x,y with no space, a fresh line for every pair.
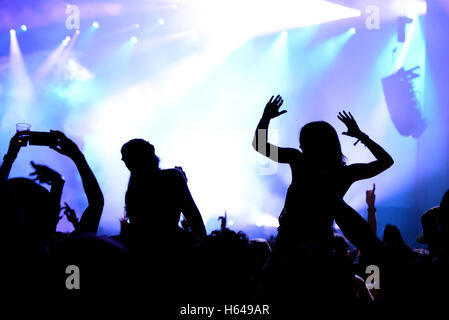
139,155
35,206
444,217
392,236
320,145
430,234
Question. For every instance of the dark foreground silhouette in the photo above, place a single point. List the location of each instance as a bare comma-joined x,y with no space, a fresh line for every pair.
164,261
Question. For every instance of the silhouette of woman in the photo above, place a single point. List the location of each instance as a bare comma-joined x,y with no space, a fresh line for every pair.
155,198
320,179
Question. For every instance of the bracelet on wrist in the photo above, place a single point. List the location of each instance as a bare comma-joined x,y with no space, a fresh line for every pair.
363,137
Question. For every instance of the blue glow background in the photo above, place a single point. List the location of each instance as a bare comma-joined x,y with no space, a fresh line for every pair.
198,97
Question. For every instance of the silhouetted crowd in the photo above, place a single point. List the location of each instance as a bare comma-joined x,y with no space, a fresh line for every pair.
164,259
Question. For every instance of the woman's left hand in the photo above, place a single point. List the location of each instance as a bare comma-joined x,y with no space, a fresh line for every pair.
353,129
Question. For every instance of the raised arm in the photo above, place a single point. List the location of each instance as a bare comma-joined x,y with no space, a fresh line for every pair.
260,140
383,160
71,216
14,147
91,217
370,201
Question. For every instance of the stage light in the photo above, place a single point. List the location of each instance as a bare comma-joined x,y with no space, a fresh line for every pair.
65,42
137,26
133,39
23,27
95,25
409,8
352,31
20,85
416,8
78,31
174,6
270,16
67,38
266,220
161,21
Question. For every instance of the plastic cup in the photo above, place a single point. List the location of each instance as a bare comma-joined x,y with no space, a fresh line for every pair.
23,127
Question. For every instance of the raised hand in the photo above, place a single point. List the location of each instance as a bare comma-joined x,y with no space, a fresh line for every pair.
17,141
70,214
353,129
272,108
371,197
44,174
64,145
224,220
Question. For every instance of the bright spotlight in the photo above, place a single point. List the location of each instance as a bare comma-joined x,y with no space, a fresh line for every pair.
133,39
12,32
174,6
412,8
137,26
23,27
284,34
95,25
161,21
352,31
286,15
67,38
77,31
416,8
65,42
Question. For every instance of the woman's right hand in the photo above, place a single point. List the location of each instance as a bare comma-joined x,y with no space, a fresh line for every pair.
272,108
